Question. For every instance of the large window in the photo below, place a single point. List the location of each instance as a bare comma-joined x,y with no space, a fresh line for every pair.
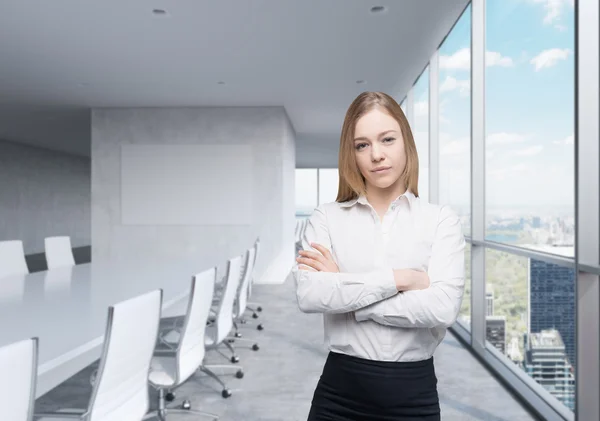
306,191
314,186
455,120
529,120
328,185
505,142
530,319
421,131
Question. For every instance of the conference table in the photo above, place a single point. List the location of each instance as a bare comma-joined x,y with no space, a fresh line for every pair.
66,308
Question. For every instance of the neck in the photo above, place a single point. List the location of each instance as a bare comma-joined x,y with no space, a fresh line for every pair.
384,197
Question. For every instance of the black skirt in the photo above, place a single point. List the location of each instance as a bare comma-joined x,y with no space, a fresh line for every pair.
355,389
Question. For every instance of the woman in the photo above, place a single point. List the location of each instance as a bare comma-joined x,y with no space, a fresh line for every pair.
387,271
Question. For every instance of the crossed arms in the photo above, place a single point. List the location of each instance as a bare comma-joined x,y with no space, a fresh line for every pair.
375,295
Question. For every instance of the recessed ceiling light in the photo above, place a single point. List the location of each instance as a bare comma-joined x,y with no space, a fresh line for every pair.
360,82
221,82
377,9
159,12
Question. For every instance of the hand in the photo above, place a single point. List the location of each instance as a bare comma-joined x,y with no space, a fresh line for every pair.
321,262
410,279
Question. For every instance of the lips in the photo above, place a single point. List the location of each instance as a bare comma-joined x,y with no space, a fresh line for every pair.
381,169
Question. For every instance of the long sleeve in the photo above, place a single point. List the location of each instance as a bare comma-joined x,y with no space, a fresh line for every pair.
325,292
438,305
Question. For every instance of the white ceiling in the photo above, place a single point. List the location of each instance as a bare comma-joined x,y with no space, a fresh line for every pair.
61,57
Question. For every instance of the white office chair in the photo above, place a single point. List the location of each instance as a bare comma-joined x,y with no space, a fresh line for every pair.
12,259
252,306
242,297
173,364
18,365
58,252
120,391
219,329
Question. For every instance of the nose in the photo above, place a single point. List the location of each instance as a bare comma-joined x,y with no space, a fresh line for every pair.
376,153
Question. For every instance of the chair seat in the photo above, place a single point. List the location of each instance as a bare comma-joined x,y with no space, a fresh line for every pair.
162,370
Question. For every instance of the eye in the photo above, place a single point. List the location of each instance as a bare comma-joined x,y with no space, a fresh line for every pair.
389,139
360,146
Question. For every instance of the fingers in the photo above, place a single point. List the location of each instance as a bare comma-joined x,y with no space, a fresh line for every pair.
313,255
308,268
323,251
311,263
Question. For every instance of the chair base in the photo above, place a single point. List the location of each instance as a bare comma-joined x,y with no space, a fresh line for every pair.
225,392
162,415
162,410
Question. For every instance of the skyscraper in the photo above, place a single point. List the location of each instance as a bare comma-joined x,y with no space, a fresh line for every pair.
552,302
546,362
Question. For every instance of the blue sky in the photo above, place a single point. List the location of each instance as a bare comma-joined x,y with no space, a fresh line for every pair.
529,106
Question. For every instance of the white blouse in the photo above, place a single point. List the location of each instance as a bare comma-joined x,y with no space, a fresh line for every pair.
364,315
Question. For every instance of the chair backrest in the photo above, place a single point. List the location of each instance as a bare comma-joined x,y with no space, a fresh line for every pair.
224,318
18,365
121,388
59,252
190,352
242,298
12,259
256,249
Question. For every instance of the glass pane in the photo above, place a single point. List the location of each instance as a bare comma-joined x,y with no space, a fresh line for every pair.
464,316
306,191
421,131
328,185
455,120
403,106
531,319
529,111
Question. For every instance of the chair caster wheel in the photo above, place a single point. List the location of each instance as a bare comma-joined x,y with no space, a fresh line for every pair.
226,393
255,347
239,374
170,397
259,309
260,327
254,315
235,359
231,340
187,405
238,335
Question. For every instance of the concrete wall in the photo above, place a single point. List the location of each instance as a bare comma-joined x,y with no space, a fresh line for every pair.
269,133
43,193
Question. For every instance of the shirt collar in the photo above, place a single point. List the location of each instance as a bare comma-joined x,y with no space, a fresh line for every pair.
362,199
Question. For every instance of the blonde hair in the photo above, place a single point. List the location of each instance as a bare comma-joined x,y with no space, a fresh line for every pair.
351,181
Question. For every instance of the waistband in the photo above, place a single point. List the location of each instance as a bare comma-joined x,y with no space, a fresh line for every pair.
351,359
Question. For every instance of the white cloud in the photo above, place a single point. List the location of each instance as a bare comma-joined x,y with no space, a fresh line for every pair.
501,174
455,147
532,150
421,108
549,58
554,9
493,58
569,140
504,138
461,60
450,84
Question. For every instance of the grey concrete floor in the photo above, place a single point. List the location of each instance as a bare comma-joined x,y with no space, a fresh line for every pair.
280,377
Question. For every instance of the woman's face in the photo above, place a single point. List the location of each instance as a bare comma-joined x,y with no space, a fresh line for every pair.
379,149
